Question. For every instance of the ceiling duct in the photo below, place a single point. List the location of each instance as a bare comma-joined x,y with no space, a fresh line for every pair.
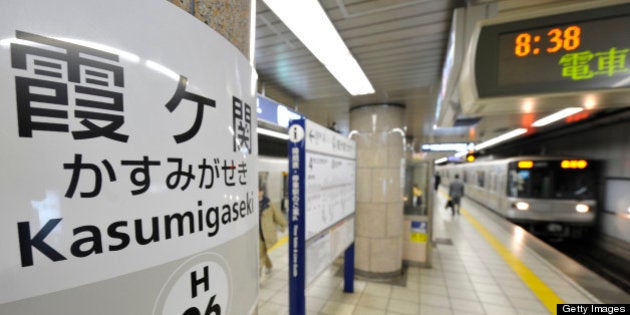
462,24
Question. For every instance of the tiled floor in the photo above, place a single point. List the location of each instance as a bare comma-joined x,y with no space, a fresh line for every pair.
467,277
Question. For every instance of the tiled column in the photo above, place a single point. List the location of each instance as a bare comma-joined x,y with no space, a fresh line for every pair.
379,209
229,18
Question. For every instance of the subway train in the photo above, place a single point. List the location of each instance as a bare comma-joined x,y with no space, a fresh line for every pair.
550,196
272,177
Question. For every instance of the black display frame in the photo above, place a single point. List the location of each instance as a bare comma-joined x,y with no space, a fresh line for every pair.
487,52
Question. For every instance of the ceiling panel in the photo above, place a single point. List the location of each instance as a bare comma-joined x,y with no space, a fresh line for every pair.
400,45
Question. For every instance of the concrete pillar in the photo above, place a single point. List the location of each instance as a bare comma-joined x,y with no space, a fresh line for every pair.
229,18
377,129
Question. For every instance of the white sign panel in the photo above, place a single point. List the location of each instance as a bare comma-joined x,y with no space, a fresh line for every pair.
330,195
330,177
127,149
323,140
330,191
321,250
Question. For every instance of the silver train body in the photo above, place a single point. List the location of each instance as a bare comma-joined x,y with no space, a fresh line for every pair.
547,195
272,177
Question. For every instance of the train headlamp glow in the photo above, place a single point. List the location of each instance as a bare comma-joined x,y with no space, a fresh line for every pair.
579,164
581,208
525,164
521,205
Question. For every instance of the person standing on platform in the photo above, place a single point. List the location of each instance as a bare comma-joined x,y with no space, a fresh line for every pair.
438,179
455,193
270,217
417,195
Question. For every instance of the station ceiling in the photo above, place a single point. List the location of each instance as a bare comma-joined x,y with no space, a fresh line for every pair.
400,45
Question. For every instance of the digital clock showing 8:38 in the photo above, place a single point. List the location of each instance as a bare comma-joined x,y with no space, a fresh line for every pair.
575,51
555,40
584,51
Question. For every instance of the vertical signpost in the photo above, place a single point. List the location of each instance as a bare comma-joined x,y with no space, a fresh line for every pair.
322,176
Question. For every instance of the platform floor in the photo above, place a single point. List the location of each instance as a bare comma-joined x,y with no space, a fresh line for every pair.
480,265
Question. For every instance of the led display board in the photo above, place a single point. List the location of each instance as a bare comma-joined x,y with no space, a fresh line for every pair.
576,51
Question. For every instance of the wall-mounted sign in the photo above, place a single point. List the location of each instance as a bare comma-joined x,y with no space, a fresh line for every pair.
274,112
129,167
418,232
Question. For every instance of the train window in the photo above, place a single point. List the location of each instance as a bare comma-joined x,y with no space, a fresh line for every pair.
481,178
465,179
551,181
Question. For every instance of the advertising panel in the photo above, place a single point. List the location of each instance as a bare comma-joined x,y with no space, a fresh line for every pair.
129,162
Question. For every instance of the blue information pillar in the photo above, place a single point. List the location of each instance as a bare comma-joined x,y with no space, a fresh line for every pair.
297,251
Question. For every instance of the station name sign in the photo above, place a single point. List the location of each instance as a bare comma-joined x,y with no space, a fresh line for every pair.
129,159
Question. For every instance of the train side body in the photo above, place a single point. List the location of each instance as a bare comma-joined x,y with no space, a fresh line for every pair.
551,206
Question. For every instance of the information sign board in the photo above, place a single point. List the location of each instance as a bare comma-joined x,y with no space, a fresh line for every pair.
322,168
330,191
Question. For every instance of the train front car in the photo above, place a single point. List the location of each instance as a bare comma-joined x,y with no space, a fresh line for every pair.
552,197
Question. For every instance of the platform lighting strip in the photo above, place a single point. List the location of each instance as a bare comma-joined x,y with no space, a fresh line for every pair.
441,147
441,160
308,21
461,153
557,116
488,143
501,138
272,133
517,132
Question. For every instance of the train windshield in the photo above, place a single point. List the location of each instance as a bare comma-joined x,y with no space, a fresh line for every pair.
548,180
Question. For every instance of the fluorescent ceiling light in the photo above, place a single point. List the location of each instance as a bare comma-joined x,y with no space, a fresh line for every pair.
501,138
308,21
461,153
441,160
442,147
272,133
557,116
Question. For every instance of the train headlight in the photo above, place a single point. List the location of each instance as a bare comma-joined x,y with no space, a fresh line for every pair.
521,205
581,208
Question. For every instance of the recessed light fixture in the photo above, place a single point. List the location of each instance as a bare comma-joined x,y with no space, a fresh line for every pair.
557,116
501,138
310,24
